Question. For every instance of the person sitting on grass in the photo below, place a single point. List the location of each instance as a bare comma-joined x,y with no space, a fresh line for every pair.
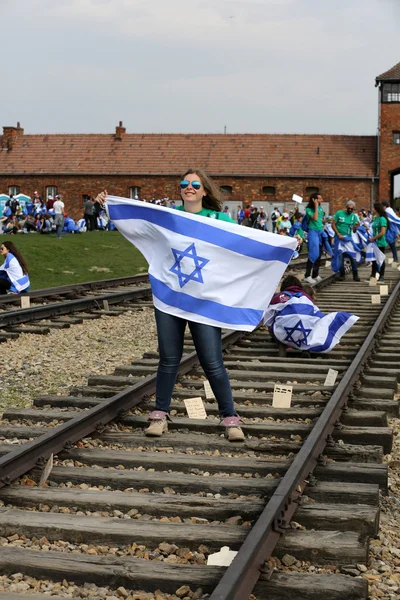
14,277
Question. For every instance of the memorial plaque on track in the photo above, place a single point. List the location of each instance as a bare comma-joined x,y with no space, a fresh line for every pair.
282,397
195,408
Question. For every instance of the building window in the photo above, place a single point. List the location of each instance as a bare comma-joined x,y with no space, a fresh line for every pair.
13,190
311,190
269,190
391,92
134,192
226,189
51,190
396,137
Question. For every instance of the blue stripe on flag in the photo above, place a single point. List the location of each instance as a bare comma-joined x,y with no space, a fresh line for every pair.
206,308
301,309
339,320
201,231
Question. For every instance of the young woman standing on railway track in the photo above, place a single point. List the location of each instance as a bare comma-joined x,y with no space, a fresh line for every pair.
14,271
200,197
379,228
317,238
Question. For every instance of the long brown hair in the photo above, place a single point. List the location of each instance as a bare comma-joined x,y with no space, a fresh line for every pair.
213,199
14,250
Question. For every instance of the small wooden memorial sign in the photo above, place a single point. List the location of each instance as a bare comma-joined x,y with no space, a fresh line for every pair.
384,290
373,281
208,390
395,265
282,397
46,471
25,302
376,299
195,408
331,377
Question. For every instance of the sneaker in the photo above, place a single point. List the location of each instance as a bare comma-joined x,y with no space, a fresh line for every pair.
381,281
318,279
158,423
341,277
233,431
310,280
356,277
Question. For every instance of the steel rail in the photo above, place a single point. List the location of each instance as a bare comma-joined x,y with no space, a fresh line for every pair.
241,576
35,313
65,289
35,453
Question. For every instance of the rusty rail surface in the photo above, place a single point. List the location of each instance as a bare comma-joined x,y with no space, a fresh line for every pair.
242,575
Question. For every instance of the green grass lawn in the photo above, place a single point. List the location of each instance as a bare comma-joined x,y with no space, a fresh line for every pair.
77,257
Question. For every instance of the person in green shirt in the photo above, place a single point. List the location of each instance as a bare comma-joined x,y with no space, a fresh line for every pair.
344,223
200,197
379,228
315,241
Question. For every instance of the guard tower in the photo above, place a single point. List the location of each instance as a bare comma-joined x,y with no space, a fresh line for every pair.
389,135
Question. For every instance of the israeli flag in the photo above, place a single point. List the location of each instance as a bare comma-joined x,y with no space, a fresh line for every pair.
393,218
298,323
202,269
348,245
373,254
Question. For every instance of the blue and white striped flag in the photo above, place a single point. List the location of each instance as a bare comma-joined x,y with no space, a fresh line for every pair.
299,324
373,254
202,269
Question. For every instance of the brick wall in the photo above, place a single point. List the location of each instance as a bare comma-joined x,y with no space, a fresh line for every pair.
389,152
246,190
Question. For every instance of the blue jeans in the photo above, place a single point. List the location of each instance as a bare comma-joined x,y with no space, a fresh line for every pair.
394,250
352,260
207,341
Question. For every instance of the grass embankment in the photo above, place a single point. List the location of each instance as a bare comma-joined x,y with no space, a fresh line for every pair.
77,257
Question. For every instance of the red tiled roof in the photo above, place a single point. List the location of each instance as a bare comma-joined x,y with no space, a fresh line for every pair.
217,154
392,74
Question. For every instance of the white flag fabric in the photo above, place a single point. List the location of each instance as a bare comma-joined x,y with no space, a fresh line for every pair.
298,323
203,269
373,254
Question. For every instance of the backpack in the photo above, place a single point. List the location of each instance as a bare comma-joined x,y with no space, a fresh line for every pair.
305,224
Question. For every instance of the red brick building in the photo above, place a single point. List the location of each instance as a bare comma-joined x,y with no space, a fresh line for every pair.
262,168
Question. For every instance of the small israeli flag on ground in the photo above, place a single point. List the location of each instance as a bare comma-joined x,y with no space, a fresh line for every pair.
204,270
299,324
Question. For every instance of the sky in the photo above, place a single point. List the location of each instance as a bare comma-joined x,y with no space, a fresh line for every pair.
196,66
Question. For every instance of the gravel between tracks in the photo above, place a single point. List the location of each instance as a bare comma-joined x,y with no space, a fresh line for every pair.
31,364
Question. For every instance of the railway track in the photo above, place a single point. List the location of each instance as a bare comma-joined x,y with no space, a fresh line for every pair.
61,307
120,509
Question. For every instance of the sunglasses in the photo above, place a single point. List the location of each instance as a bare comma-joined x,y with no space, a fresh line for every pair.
196,185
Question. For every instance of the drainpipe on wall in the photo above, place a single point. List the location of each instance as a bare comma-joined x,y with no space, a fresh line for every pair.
371,200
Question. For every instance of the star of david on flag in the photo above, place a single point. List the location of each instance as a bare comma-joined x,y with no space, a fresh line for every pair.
203,269
298,323
301,329
199,262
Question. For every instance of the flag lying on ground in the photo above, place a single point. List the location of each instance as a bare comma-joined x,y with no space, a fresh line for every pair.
298,323
203,269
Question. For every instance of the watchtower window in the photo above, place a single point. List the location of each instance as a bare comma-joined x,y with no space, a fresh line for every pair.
391,92
268,190
396,137
226,189
134,192
312,190
13,190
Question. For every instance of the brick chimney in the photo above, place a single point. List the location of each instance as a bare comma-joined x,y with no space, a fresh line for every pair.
10,136
119,131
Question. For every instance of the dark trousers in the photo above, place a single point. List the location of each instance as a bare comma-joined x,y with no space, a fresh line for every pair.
207,341
90,222
5,283
314,267
374,269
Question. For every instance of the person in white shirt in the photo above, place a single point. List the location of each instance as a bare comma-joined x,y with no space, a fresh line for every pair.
58,208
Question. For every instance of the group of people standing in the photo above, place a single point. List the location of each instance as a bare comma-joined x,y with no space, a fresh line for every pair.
350,236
